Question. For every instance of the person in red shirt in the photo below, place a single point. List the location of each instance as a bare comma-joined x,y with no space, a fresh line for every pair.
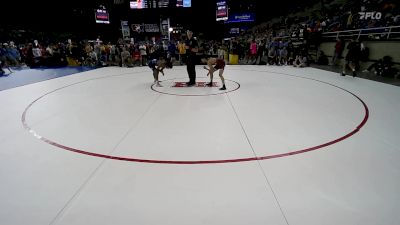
219,65
339,47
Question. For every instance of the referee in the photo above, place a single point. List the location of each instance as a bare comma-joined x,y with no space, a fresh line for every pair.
192,48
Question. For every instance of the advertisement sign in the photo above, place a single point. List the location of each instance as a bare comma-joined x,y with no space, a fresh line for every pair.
241,17
141,4
222,11
151,28
137,28
126,33
234,30
136,4
187,3
101,16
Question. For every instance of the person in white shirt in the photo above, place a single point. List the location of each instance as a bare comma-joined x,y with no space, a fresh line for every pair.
143,54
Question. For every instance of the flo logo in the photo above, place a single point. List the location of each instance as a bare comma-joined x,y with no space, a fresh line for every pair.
370,15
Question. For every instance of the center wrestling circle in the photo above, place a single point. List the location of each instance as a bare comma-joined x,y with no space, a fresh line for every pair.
178,87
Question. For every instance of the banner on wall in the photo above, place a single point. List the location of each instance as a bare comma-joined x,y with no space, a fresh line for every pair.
126,33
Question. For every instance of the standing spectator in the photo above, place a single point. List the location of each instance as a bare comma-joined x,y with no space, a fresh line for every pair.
37,54
172,50
221,52
253,51
339,47
351,57
143,54
182,52
260,52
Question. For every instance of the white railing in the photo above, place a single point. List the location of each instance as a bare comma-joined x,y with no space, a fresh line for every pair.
384,31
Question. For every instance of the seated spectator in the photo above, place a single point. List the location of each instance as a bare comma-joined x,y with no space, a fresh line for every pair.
37,54
300,61
383,67
91,59
283,56
322,59
3,53
136,57
126,58
2,72
272,56
377,66
13,54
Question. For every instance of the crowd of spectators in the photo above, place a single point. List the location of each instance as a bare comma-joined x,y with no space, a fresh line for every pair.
285,41
85,53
